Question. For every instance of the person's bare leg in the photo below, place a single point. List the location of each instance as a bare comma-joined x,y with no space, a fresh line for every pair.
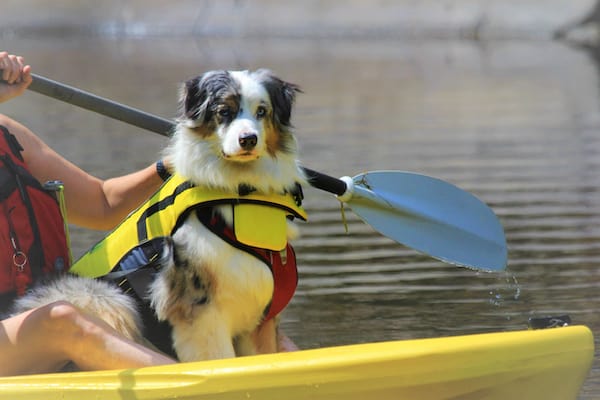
46,338
268,338
284,343
26,347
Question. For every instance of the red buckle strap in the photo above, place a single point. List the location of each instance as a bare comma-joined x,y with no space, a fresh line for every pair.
285,278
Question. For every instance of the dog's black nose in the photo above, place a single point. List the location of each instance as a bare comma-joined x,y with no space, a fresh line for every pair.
248,141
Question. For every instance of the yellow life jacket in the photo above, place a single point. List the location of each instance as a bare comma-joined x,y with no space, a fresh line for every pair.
167,209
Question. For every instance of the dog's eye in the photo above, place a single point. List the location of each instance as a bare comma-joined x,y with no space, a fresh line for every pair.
261,112
224,112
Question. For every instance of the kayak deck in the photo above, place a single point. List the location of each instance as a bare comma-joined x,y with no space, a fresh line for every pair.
534,364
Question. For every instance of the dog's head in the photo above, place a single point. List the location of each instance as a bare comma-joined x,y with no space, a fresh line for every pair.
236,121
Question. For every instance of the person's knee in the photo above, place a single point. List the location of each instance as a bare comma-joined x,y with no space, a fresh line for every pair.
62,310
61,316
57,325
71,328
74,322
68,321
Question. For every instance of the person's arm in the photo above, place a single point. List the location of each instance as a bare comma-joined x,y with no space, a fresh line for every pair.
91,202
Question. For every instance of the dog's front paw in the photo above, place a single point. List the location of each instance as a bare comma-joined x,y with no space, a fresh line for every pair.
244,346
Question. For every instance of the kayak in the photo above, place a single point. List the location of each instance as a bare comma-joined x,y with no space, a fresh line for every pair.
530,364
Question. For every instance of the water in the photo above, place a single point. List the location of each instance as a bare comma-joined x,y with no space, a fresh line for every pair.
515,123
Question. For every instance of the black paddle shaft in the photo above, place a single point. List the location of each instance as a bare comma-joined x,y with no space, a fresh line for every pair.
103,106
147,121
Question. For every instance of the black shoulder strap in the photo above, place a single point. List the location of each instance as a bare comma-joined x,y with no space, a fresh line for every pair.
13,144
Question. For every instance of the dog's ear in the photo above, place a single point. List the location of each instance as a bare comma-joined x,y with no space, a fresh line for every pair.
199,93
193,99
282,94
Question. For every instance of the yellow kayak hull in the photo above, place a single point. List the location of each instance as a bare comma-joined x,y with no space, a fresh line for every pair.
533,364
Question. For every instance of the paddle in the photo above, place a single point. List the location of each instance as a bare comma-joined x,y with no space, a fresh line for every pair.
424,213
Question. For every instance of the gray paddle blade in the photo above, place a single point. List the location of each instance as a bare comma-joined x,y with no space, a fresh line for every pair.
431,216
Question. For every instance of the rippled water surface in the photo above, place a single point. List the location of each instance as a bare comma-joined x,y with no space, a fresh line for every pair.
515,123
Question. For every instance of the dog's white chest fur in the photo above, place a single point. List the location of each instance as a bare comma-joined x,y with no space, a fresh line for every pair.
225,292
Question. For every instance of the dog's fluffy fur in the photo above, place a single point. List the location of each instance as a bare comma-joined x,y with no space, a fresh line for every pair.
234,130
95,296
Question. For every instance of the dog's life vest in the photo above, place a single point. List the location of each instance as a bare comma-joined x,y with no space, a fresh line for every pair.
168,208
33,240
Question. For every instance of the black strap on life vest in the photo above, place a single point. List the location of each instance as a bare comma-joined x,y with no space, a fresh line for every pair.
133,274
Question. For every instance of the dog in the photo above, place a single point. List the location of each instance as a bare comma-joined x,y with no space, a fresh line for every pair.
234,132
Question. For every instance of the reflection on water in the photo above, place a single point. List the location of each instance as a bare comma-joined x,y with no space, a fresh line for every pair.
514,123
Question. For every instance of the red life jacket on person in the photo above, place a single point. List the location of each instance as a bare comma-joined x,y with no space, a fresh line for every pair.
33,241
